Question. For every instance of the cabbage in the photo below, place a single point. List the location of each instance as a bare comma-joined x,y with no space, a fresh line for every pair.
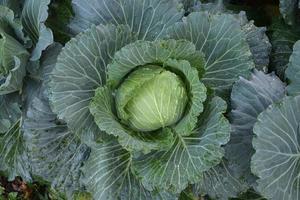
149,99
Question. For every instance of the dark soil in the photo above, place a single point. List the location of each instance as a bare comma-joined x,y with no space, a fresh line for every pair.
20,190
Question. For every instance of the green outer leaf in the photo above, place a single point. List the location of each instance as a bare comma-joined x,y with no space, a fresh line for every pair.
197,96
288,9
108,175
102,107
276,160
34,15
142,53
293,71
256,37
220,38
189,156
282,37
220,183
14,160
148,19
13,156
248,98
80,69
56,154
13,61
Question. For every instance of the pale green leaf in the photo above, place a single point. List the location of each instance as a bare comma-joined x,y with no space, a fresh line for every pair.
102,108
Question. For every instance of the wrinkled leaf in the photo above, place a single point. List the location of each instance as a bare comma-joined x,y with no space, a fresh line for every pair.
108,175
248,99
276,144
258,42
179,56
256,37
56,153
80,69
102,107
220,182
189,156
220,38
148,19
13,155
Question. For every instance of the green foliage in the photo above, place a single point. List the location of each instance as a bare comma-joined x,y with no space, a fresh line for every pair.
150,99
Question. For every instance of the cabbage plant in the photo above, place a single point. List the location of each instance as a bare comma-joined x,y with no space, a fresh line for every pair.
23,37
145,84
149,99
